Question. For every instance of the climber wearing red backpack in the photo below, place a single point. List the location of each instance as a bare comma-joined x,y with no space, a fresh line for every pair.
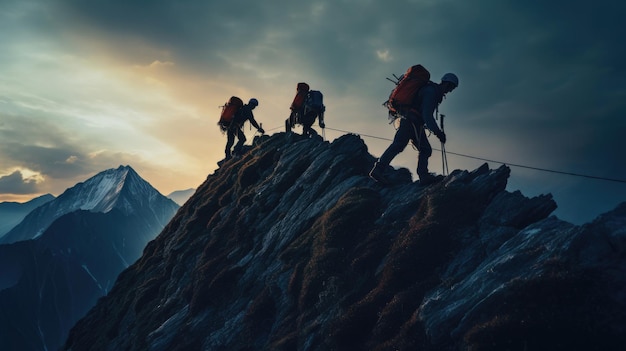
307,106
414,119
313,109
297,106
234,128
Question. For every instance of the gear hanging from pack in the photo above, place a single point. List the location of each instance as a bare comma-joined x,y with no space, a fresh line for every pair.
401,98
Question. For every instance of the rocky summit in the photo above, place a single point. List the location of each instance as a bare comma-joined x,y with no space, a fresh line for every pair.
293,247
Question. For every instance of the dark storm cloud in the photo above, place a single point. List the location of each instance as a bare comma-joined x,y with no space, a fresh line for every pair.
15,183
548,76
64,161
506,40
193,31
37,145
333,40
508,50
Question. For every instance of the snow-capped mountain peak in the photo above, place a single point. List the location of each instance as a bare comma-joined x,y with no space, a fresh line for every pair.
116,188
99,193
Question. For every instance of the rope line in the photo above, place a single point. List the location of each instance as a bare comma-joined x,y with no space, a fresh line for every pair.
492,161
365,135
540,169
504,163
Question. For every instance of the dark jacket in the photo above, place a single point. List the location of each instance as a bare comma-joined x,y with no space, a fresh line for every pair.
245,114
426,102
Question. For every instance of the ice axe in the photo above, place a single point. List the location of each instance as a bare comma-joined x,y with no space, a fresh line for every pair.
444,157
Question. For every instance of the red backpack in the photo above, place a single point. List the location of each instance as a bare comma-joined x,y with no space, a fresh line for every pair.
302,90
229,111
408,85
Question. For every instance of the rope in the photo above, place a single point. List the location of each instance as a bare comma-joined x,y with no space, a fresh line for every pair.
365,135
488,160
502,162
541,169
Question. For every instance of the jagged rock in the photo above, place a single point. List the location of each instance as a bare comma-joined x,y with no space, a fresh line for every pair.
293,247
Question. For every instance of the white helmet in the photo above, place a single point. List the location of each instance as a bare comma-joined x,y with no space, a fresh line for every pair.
450,77
253,102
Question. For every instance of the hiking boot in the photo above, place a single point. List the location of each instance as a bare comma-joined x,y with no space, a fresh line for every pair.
377,173
430,178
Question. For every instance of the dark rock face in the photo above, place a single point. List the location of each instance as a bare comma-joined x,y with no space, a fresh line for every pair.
293,247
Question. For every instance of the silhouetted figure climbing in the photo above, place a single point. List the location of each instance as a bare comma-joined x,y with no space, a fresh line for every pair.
233,125
307,106
414,118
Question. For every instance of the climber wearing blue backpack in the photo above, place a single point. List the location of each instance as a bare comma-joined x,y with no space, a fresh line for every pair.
415,115
313,108
307,106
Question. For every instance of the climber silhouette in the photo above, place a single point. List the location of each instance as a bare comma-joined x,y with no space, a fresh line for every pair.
412,128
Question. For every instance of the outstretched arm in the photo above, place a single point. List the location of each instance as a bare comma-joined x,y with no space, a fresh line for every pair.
255,124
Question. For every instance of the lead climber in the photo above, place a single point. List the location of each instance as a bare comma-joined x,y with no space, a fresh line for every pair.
413,122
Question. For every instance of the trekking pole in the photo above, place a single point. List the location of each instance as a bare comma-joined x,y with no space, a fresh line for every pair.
444,157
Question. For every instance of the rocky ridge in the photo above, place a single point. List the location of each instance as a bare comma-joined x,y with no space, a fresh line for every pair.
293,247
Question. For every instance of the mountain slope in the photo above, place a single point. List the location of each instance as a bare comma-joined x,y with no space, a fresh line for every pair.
12,213
48,283
58,277
119,188
293,247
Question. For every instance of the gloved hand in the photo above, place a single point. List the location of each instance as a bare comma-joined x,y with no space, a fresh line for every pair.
442,137
261,130
322,124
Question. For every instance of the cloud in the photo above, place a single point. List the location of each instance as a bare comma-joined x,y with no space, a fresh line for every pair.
54,151
384,55
15,183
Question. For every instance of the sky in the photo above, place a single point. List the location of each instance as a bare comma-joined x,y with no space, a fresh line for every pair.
90,85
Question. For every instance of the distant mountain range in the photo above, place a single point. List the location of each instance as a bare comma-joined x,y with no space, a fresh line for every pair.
181,196
68,252
12,213
119,188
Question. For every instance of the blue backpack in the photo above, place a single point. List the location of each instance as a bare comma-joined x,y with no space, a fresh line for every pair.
314,102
